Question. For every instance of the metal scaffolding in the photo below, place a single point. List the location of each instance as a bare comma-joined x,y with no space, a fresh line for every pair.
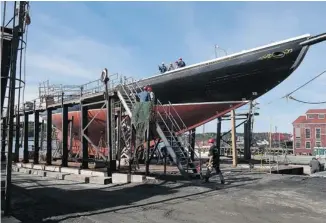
13,47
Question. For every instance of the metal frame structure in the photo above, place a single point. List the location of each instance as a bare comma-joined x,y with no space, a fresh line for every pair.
13,29
116,94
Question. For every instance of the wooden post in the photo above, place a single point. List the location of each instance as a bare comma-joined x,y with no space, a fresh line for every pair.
64,160
234,139
36,135
84,131
26,158
49,137
165,160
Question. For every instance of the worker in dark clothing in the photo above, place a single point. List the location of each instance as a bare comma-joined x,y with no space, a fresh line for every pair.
171,67
214,161
314,165
181,63
143,95
162,68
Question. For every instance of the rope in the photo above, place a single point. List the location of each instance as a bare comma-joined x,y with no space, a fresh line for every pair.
306,102
289,94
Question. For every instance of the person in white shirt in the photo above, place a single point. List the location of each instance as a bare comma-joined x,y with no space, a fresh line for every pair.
151,93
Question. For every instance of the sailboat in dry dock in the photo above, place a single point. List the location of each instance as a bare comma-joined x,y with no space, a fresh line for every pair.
202,92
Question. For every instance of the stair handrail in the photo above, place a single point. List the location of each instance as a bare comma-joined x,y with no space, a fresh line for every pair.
184,142
168,115
172,119
127,94
184,126
175,111
166,125
131,85
133,91
174,124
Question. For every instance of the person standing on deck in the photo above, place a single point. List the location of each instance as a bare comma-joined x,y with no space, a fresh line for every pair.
162,68
181,63
214,161
153,102
176,64
143,95
171,67
151,94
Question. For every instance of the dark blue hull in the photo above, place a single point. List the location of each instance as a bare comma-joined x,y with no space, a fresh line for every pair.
243,76
246,76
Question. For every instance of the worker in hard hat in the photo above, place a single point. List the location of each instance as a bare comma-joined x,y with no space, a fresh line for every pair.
181,63
162,68
151,93
153,102
214,161
143,95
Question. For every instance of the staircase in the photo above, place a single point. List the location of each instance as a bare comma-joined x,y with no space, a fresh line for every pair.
178,147
127,96
166,127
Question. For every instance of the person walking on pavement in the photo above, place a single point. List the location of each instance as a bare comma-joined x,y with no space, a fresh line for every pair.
214,161
314,165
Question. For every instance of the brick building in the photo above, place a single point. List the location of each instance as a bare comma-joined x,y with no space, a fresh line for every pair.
309,131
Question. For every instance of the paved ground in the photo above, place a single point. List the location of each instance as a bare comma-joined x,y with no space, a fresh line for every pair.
293,159
247,197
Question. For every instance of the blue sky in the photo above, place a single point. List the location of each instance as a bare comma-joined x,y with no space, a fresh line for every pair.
71,42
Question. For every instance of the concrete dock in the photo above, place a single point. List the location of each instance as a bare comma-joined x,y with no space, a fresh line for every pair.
246,197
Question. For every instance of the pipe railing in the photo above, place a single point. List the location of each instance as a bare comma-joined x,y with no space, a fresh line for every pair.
174,123
183,136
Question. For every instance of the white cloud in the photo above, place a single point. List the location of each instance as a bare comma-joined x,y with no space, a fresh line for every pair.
47,65
63,55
